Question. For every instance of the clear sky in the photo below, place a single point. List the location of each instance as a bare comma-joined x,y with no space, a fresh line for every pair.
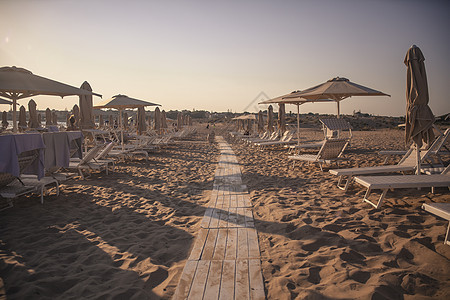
220,55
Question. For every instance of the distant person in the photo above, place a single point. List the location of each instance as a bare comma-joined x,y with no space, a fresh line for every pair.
71,124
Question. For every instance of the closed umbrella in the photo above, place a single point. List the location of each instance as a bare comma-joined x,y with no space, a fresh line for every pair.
337,89
125,120
18,83
4,119
141,125
76,114
163,120
111,121
260,122
22,117
54,118
179,121
419,117
48,117
270,119
33,120
281,117
101,122
39,119
157,125
86,108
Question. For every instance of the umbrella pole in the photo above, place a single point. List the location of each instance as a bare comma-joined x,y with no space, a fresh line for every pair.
14,115
298,125
338,110
121,128
418,160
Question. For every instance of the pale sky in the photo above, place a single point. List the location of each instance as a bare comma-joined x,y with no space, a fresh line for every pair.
220,55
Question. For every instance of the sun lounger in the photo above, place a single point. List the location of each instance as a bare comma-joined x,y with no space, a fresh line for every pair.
331,151
407,163
40,185
88,162
441,210
285,139
384,183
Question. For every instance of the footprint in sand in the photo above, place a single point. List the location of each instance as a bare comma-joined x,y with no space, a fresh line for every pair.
314,275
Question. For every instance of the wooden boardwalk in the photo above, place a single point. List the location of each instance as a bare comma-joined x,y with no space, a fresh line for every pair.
225,260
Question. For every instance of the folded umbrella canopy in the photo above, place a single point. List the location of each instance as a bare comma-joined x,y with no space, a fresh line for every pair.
33,120
336,89
18,83
86,110
419,117
22,117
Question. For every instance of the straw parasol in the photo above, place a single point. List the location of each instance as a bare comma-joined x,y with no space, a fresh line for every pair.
22,117
86,109
336,89
48,116
270,119
18,83
419,117
141,125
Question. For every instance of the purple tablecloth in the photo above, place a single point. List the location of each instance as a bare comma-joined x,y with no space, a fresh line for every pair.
58,147
12,145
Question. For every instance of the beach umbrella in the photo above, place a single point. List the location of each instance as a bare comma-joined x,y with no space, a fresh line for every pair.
125,120
297,101
270,119
111,121
157,125
48,116
336,89
54,118
86,108
22,117
419,117
141,125
281,117
33,119
260,122
121,102
18,83
101,123
179,120
4,101
149,121
39,119
76,114
4,119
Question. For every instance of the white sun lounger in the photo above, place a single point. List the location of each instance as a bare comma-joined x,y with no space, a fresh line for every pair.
441,210
407,163
384,183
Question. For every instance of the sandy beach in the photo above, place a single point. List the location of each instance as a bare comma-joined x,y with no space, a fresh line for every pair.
127,235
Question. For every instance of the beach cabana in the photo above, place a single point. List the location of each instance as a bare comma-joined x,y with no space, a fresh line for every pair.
18,83
337,89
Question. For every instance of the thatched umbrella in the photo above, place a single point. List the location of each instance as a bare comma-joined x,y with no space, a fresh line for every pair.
419,117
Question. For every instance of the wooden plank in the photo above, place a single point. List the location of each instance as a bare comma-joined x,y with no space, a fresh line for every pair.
214,219
213,281
248,213
228,280
231,248
184,285
198,246
224,214
232,219
256,280
221,243
199,282
253,244
242,284
240,213
207,218
210,244
242,245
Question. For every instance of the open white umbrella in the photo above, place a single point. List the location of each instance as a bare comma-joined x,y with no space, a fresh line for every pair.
18,83
337,89
419,117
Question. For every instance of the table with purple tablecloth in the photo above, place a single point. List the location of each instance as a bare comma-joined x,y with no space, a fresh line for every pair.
59,146
12,145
